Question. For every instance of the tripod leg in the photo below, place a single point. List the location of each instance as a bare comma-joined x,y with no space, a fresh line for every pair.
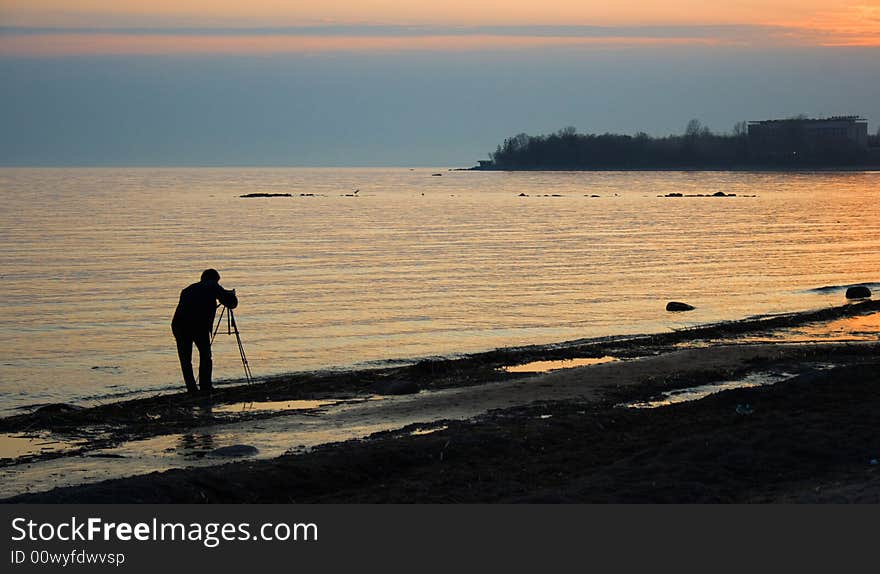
217,328
244,361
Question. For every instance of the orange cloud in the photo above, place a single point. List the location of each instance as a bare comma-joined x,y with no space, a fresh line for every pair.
753,23
855,25
151,44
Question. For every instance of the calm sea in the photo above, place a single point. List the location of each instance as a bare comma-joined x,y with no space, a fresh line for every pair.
412,265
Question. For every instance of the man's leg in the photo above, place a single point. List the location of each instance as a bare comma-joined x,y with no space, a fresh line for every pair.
203,343
184,352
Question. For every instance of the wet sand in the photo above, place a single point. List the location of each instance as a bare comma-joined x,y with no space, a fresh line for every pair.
465,430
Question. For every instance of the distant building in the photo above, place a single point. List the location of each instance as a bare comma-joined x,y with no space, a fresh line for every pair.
796,138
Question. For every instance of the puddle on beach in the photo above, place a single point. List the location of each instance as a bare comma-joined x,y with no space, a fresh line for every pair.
428,430
269,406
695,393
547,366
14,445
296,431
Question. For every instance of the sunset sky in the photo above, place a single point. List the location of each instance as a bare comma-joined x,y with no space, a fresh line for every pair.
208,13
385,82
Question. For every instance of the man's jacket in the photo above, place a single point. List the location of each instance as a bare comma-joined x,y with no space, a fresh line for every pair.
198,304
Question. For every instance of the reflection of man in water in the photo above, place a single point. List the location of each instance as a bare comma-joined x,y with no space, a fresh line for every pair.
197,445
192,323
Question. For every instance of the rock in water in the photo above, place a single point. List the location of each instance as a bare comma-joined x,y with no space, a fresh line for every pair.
678,306
858,292
265,195
234,451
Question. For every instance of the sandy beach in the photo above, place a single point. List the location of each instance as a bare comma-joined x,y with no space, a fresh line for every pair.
773,409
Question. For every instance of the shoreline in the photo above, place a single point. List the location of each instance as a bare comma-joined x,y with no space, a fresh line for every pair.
471,367
739,169
490,401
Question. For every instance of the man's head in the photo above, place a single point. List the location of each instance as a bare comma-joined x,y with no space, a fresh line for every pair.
210,275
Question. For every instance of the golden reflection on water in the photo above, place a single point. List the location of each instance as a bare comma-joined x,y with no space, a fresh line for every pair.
94,259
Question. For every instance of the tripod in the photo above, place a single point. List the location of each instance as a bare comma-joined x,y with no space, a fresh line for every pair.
231,327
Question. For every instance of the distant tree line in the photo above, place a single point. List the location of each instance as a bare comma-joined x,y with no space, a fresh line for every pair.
697,147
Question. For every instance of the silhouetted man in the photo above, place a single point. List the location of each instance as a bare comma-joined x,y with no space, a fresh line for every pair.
192,323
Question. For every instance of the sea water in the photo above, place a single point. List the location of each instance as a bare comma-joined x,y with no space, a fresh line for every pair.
362,267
